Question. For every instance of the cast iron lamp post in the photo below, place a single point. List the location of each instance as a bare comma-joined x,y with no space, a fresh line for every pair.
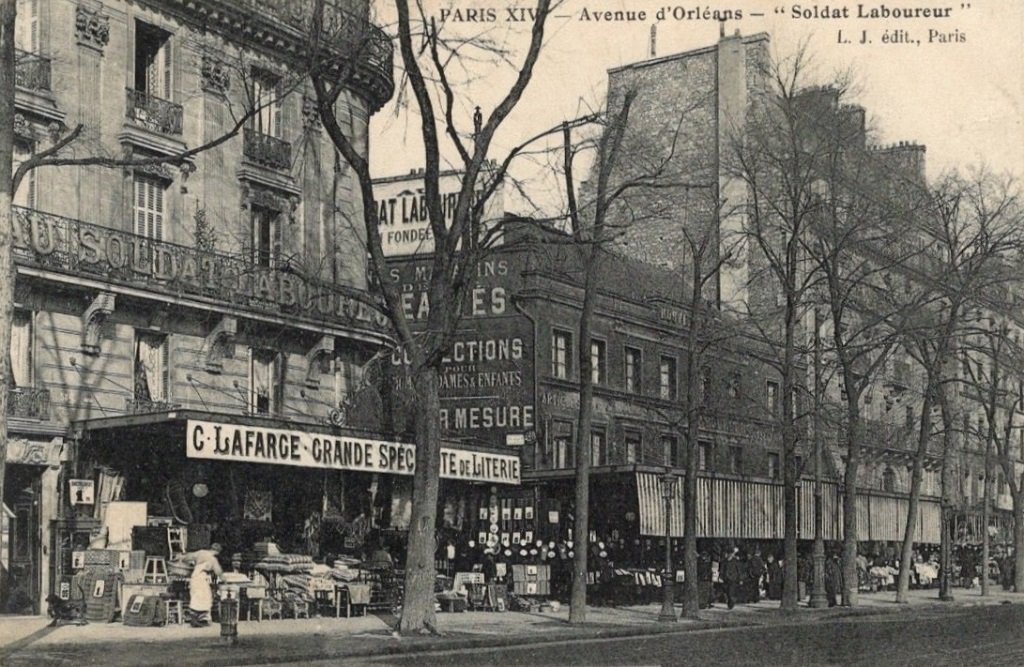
668,611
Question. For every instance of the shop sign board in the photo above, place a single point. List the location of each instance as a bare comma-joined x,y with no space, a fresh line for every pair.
255,444
82,491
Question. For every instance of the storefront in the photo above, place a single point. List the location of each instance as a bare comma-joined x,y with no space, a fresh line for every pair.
165,483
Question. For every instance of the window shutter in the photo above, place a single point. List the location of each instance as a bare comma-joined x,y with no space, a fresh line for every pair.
165,52
165,367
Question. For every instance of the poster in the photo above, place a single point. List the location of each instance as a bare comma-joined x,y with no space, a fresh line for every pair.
82,491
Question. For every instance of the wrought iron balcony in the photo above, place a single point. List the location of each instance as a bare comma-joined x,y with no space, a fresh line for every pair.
139,406
153,112
28,403
105,253
266,150
31,70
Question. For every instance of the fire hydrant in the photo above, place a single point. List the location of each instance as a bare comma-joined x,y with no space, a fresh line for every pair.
229,620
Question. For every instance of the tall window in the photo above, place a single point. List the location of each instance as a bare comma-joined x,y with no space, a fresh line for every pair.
667,381
153,64
633,370
598,448
889,480
598,369
26,28
266,99
735,460
670,449
149,207
774,466
152,381
26,193
561,348
559,448
704,455
633,442
772,396
22,349
264,236
264,381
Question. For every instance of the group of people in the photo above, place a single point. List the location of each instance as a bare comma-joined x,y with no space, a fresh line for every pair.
743,576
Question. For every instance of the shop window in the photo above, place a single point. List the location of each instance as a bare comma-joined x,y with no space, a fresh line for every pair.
598,361
26,192
153,64
264,381
774,466
561,349
151,367
149,207
670,449
735,460
633,369
772,396
559,451
704,455
633,442
598,448
22,349
667,388
266,100
263,235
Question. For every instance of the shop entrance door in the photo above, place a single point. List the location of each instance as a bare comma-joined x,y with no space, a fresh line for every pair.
20,543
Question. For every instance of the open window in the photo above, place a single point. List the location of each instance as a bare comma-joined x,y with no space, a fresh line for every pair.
153,64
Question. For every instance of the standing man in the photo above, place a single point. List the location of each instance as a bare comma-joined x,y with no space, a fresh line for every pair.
755,572
200,592
732,574
833,579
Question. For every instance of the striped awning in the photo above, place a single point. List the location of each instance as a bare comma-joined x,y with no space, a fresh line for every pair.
748,509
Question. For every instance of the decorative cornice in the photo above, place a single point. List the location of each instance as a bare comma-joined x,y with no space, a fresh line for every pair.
257,194
92,29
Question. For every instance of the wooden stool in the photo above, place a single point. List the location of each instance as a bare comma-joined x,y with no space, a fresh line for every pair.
172,610
156,570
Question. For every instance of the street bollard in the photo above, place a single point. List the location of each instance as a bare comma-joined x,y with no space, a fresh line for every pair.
229,620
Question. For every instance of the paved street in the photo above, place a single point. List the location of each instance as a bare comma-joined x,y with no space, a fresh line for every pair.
975,636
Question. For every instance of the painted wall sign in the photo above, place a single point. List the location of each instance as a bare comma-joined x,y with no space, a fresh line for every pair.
402,211
254,444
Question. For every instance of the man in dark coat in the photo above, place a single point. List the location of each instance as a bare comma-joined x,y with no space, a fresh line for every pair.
732,574
833,579
755,572
704,585
774,578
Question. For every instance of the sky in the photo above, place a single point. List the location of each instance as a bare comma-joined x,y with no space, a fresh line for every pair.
954,83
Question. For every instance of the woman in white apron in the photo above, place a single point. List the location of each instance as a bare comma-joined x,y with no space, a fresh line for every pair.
200,593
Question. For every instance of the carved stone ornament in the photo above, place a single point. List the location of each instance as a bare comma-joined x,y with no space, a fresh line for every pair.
91,28
92,321
215,76
220,343
162,171
264,197
310,115
22,128
323,347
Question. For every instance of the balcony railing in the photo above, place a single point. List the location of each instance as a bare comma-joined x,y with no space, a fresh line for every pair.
266,150
153,112
31,71
84,250
139,406
28,402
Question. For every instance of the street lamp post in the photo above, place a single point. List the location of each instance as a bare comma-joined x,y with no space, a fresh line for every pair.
668,611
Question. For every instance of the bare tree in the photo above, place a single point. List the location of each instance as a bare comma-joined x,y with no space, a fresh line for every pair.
457,248
969,235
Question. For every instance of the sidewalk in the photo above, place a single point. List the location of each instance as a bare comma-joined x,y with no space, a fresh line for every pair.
27,640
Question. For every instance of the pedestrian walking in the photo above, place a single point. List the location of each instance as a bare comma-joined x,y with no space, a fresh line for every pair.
833,579
732,574
756,571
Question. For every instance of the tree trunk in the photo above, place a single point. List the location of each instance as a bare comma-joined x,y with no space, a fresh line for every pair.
691,585
850,499
8,10
581,526
1018,542
790,578
985,517
907,548
418,600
